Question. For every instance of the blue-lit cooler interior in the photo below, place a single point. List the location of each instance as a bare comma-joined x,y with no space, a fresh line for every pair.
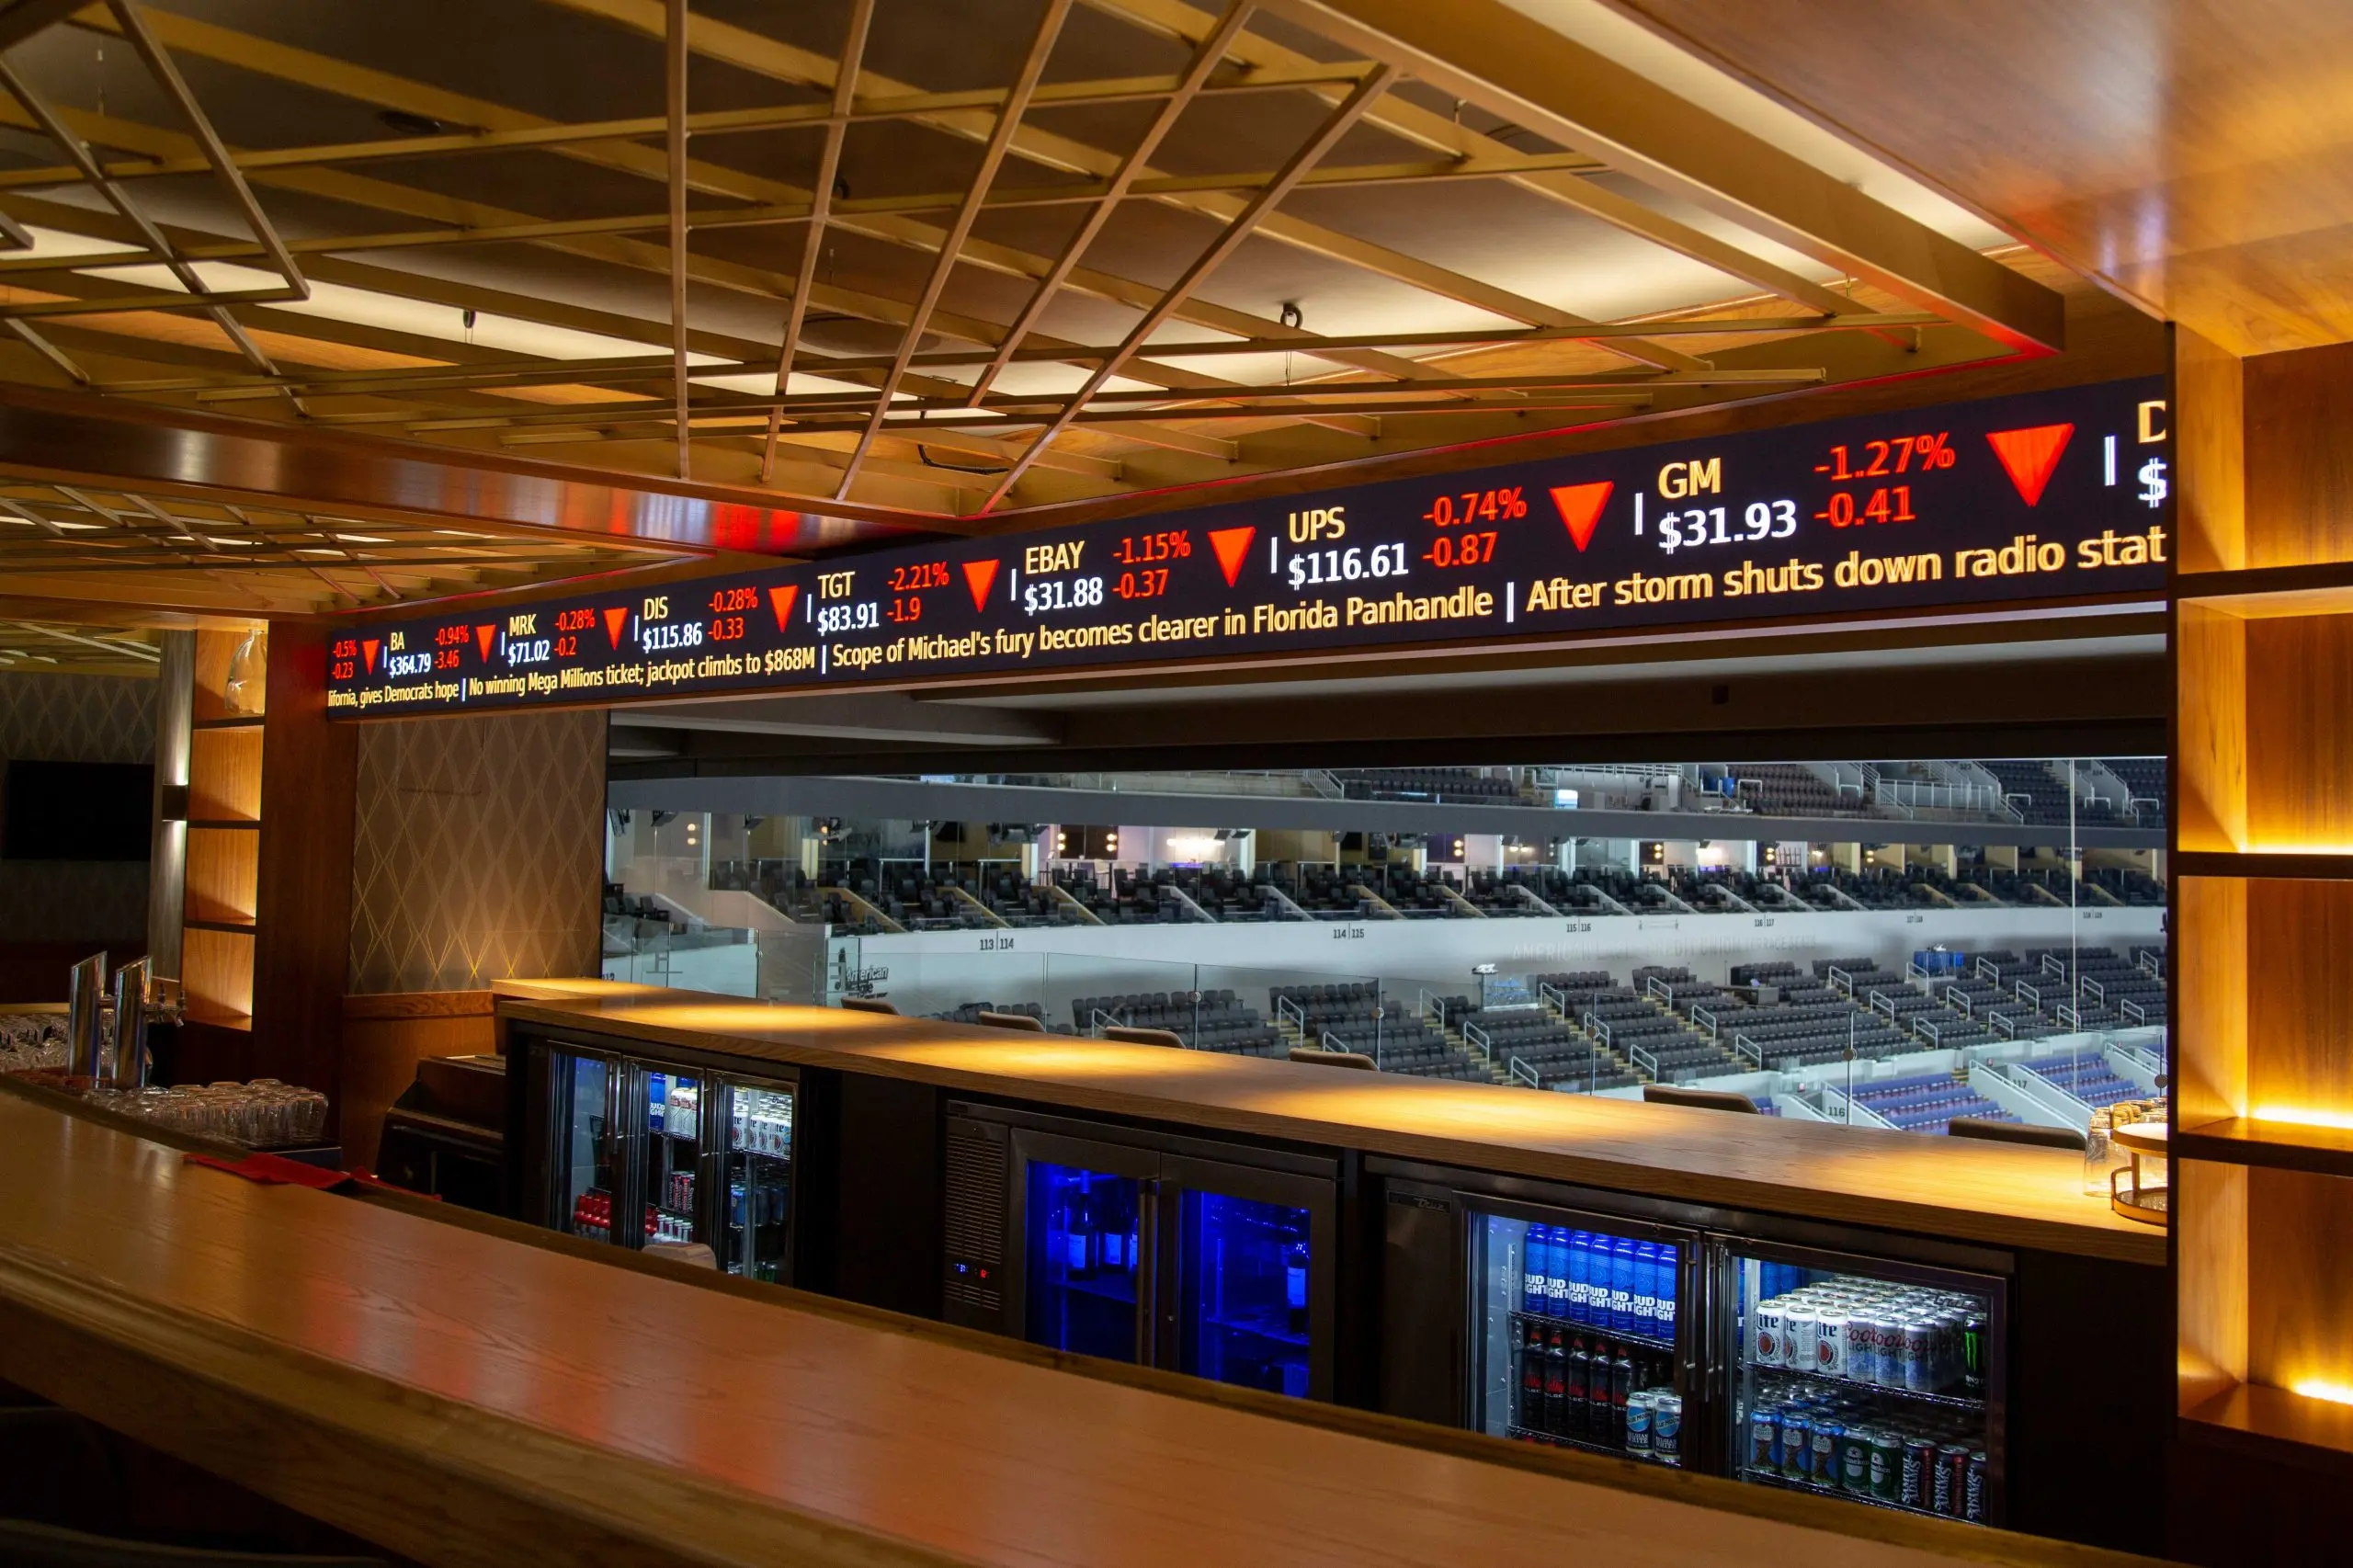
1083,1231
1244,1294
1578,1325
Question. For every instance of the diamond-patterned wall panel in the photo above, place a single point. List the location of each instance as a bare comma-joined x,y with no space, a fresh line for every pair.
66,718
478,850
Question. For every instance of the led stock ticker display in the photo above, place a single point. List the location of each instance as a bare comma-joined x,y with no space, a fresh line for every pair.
2058,494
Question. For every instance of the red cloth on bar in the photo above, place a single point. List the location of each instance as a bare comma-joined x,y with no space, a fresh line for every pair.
277,1170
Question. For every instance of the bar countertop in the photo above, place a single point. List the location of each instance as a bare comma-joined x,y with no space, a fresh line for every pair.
466,1399
2002,1193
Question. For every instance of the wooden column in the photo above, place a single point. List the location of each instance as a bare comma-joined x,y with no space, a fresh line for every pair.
2262,918
277,797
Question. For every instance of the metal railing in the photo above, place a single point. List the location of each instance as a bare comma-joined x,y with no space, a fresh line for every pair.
2002,1024
1473,1035
1839,982
2149,965
2131,1011
2087,986
1704,1017
1644,1062
1522,1072
1743,1046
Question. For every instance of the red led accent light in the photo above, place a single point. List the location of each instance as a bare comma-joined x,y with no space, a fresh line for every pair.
1581,506
780,601
2029,456
1232,547
980,576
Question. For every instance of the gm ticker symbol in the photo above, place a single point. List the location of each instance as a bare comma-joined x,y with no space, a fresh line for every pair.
1580,506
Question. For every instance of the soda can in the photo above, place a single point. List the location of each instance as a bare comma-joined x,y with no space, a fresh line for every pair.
1765,1439
1828,1435
1881,1328
1974,1331
1638,1424
1973,1496
1796,1444
1919,1343
1887,1465
1912,1486
1948,1492
1830,1346
1801,1338
1767,1340
1667,1428
1862,1347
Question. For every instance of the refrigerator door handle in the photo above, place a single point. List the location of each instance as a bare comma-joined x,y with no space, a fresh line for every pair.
1148,1205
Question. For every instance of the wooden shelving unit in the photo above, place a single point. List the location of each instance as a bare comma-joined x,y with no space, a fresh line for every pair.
218,916
2262,902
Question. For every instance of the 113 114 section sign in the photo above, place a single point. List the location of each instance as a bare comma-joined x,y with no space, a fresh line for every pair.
2058,495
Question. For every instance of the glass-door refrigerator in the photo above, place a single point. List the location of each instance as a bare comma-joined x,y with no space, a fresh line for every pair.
695,1157
1874,1381
587,1145
749,1175
1208,1259
1583,1329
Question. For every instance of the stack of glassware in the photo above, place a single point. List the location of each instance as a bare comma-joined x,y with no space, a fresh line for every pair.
31,1042
263,1114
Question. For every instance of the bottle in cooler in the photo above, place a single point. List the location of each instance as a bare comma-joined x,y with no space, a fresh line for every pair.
1663,1323
1574,1249
1556,1380
1621,1389
1576,1409
1294,1281
1559,1280
1535,1254
1645,1305
1621,1284
1079,1259
1531,1380
1582,1277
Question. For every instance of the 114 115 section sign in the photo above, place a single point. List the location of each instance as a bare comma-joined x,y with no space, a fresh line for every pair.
2062,494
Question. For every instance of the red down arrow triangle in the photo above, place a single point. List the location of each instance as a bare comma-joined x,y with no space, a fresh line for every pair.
1581,507
2029,456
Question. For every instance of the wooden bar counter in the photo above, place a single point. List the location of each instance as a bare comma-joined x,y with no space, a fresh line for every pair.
1954,1188
466,1398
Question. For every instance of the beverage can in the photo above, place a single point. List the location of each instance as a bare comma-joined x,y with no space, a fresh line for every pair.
1796,1444
1801,1338
1973,1496
1765,1439
1951,1481
1855,1460
1764,1343
1638,1424
1666,1427
1918,1357
1974,1331
1919,1466
1830,1346
1887,1349
1862,1347
1827,1436
1887,1465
